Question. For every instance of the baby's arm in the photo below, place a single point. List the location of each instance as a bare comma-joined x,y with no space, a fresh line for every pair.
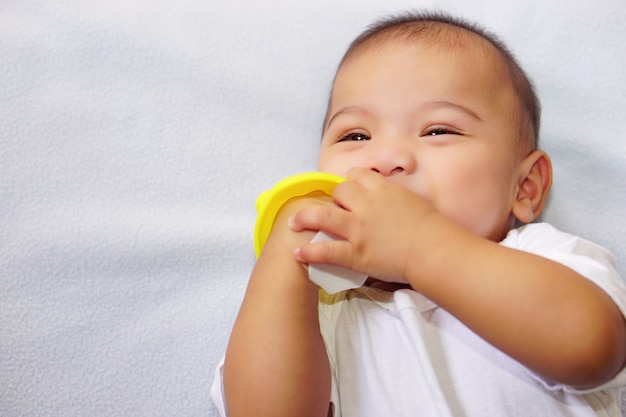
276,363
539,312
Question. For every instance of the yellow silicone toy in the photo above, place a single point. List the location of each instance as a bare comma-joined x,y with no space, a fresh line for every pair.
269,202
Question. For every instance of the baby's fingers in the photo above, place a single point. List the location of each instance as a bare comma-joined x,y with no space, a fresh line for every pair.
330,219
334,251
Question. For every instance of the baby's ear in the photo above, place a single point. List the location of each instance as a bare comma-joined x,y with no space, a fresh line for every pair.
534,181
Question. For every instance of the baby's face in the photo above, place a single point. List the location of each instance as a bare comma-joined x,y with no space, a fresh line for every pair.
436,121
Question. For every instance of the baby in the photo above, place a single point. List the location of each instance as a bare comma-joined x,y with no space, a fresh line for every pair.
435,127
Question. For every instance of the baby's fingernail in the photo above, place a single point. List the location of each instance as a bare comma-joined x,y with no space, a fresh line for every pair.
291,222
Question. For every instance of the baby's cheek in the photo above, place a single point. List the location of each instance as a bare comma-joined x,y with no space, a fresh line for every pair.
339,160
335,168
487,221
463,209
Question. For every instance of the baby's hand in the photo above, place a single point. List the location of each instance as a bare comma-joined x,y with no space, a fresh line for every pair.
281,236
378,220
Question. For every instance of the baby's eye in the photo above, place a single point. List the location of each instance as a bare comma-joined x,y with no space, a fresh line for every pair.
436,131
354,136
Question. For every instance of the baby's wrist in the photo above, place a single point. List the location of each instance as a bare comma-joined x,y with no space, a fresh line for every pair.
280,274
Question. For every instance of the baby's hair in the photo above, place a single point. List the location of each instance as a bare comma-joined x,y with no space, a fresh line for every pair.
435,28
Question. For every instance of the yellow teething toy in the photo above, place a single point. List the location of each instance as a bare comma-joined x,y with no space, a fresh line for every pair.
331,278
269,202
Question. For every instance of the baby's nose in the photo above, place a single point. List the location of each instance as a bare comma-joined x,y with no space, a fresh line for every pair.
393,159
396,170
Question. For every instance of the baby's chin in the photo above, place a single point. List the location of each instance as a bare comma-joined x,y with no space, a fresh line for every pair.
386,286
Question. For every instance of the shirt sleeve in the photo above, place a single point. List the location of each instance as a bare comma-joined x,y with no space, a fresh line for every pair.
217,391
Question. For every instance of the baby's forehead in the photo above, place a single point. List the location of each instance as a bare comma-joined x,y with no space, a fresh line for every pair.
482,62
471,63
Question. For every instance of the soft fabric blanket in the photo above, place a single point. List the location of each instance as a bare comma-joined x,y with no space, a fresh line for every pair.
135,136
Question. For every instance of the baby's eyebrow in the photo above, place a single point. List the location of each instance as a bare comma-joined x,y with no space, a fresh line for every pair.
344,111
431,105
448,104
